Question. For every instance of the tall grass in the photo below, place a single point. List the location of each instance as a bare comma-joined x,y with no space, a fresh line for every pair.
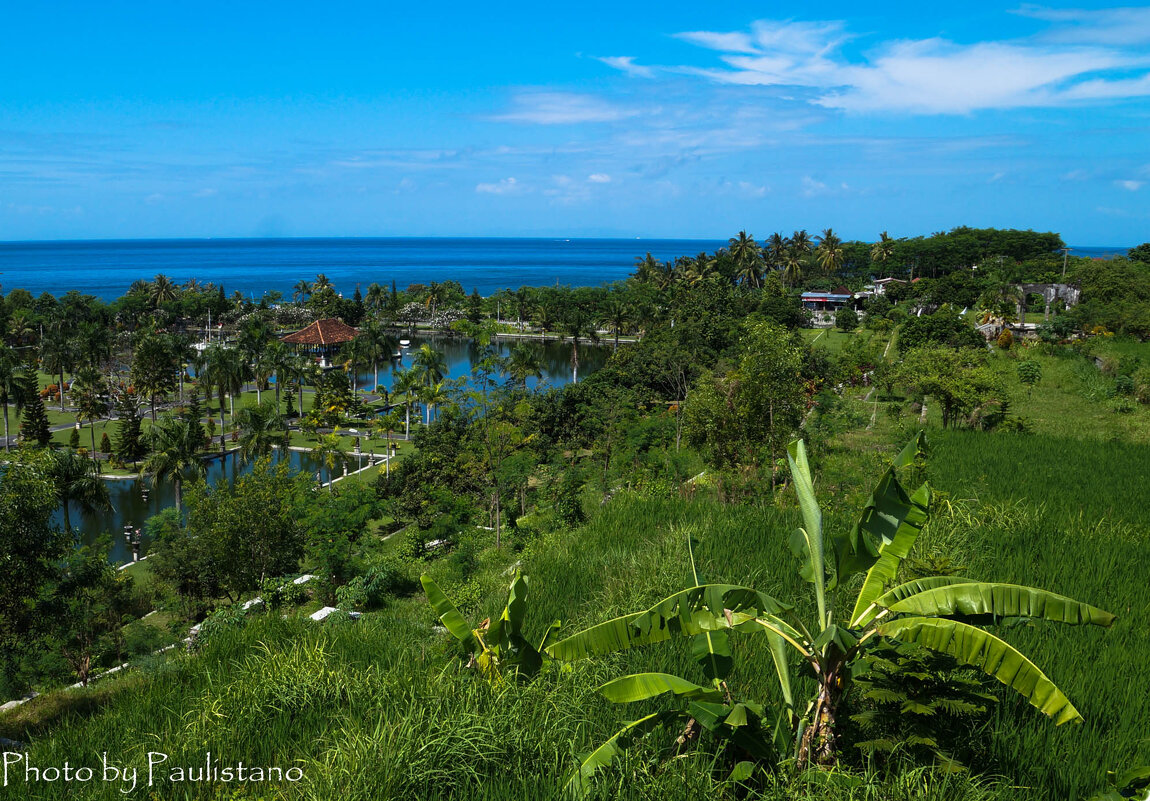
382,708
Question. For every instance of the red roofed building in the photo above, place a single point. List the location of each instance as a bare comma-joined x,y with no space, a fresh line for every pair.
323,338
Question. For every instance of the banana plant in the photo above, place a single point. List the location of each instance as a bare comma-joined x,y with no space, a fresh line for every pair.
495,648
746,731
946,613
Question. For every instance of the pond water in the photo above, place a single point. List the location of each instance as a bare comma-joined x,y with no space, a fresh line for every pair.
135,500
460,354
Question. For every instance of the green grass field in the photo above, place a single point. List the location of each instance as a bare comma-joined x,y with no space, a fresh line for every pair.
382,709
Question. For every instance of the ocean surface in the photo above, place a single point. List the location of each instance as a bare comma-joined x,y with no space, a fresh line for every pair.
107,268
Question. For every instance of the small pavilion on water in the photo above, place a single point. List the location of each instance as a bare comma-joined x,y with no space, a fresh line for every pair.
322,339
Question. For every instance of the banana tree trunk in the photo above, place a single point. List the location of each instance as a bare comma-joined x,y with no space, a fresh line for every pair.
818,745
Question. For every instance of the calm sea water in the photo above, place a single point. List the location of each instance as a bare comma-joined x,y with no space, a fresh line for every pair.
107,268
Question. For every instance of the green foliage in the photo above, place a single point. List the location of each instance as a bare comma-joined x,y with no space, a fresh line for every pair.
745,415
1029,374
914,704
74,439
959,380
34,427
943,328
846,319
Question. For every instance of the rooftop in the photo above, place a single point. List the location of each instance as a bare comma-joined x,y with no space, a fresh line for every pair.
330,331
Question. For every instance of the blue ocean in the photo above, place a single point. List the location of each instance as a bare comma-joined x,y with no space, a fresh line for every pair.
107,268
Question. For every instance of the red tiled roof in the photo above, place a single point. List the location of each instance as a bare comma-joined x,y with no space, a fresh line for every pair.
332,331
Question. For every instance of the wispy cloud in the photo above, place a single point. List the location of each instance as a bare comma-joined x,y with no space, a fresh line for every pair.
935,75
1130,186
507,186
563,108
1107,26
627,64
599,178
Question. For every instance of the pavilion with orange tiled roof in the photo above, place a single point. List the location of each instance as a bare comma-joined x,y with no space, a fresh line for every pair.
323,338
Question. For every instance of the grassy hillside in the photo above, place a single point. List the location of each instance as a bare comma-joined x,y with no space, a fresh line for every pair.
382,708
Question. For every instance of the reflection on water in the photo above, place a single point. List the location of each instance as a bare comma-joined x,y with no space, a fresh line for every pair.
134,500
460,354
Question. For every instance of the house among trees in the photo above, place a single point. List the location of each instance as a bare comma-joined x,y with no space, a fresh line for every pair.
827,301
322,339
881,284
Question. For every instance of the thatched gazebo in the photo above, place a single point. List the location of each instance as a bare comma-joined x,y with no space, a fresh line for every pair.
322,339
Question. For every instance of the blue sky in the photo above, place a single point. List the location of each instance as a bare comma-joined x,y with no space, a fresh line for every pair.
123,120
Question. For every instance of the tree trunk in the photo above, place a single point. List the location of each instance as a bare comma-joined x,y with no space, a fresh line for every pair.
818,743
179,507
7,444
61,389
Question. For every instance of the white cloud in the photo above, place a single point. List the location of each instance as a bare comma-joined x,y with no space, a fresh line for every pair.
1131,186
926,76
599,178
1109,26
811,187
507,186
563,108
627,64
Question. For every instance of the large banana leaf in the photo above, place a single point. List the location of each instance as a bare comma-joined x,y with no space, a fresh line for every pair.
981,649
686,613
807,542
976,598
641,686
578,786
448,614
885,532
510,623
905,590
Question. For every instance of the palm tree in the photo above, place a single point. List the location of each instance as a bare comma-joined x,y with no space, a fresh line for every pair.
277,358
225,371
375,299
77,480
174,454
302,290
405,385
11,385
430,364
525,362
616,314
648,269
303,369
745,252
91,398
328,451
830,252
378,345
58,351
162,290
261,429
321,283
545,316
775,251
387,423
577,324
254,338
522,305
792,268
881,250
20,328
434,395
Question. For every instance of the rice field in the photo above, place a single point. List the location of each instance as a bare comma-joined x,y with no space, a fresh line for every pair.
382,709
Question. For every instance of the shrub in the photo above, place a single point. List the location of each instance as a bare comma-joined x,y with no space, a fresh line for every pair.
846,319
74,439
1005,340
